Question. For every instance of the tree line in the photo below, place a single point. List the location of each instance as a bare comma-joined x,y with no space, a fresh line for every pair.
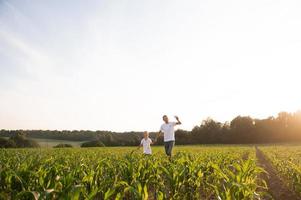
284,128
18,141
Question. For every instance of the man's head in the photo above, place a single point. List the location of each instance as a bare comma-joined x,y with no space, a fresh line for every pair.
145,134
165,118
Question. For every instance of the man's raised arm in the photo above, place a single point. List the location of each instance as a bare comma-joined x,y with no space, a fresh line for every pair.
178,121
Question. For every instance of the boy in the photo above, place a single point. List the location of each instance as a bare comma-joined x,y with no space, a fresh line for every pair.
146,142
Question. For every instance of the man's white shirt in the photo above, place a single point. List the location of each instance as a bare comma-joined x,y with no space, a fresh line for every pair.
169,131
146,145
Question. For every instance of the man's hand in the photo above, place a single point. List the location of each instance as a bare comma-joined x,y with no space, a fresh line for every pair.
157,136
178,121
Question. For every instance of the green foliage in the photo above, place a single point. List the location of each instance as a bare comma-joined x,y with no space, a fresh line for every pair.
96,143
63,146
4,143
286,127
17,141
204,173
287,161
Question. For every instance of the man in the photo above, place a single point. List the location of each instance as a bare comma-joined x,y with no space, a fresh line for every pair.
169,134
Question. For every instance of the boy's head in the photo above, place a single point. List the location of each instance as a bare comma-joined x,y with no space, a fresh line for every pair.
145,134
165,118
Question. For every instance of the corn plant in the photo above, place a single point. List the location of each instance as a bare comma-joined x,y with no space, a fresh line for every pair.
116,173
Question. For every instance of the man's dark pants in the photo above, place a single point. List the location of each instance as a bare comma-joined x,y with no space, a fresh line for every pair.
168,147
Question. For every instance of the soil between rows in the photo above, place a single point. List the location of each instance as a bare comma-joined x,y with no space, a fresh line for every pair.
276,187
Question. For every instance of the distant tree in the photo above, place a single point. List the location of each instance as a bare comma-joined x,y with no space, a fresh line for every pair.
21,142
3,142
18,140
209,132
63,146
96,143
242,129
183,137
10,144
286,127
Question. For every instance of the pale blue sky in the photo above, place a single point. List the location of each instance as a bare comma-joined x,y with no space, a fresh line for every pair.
120,65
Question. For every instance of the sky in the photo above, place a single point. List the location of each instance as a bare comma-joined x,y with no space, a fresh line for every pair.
120,65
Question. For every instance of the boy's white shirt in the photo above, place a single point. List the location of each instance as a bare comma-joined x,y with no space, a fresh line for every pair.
146,145
169,131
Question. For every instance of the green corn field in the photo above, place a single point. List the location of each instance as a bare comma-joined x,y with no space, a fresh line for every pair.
287,161
194,172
